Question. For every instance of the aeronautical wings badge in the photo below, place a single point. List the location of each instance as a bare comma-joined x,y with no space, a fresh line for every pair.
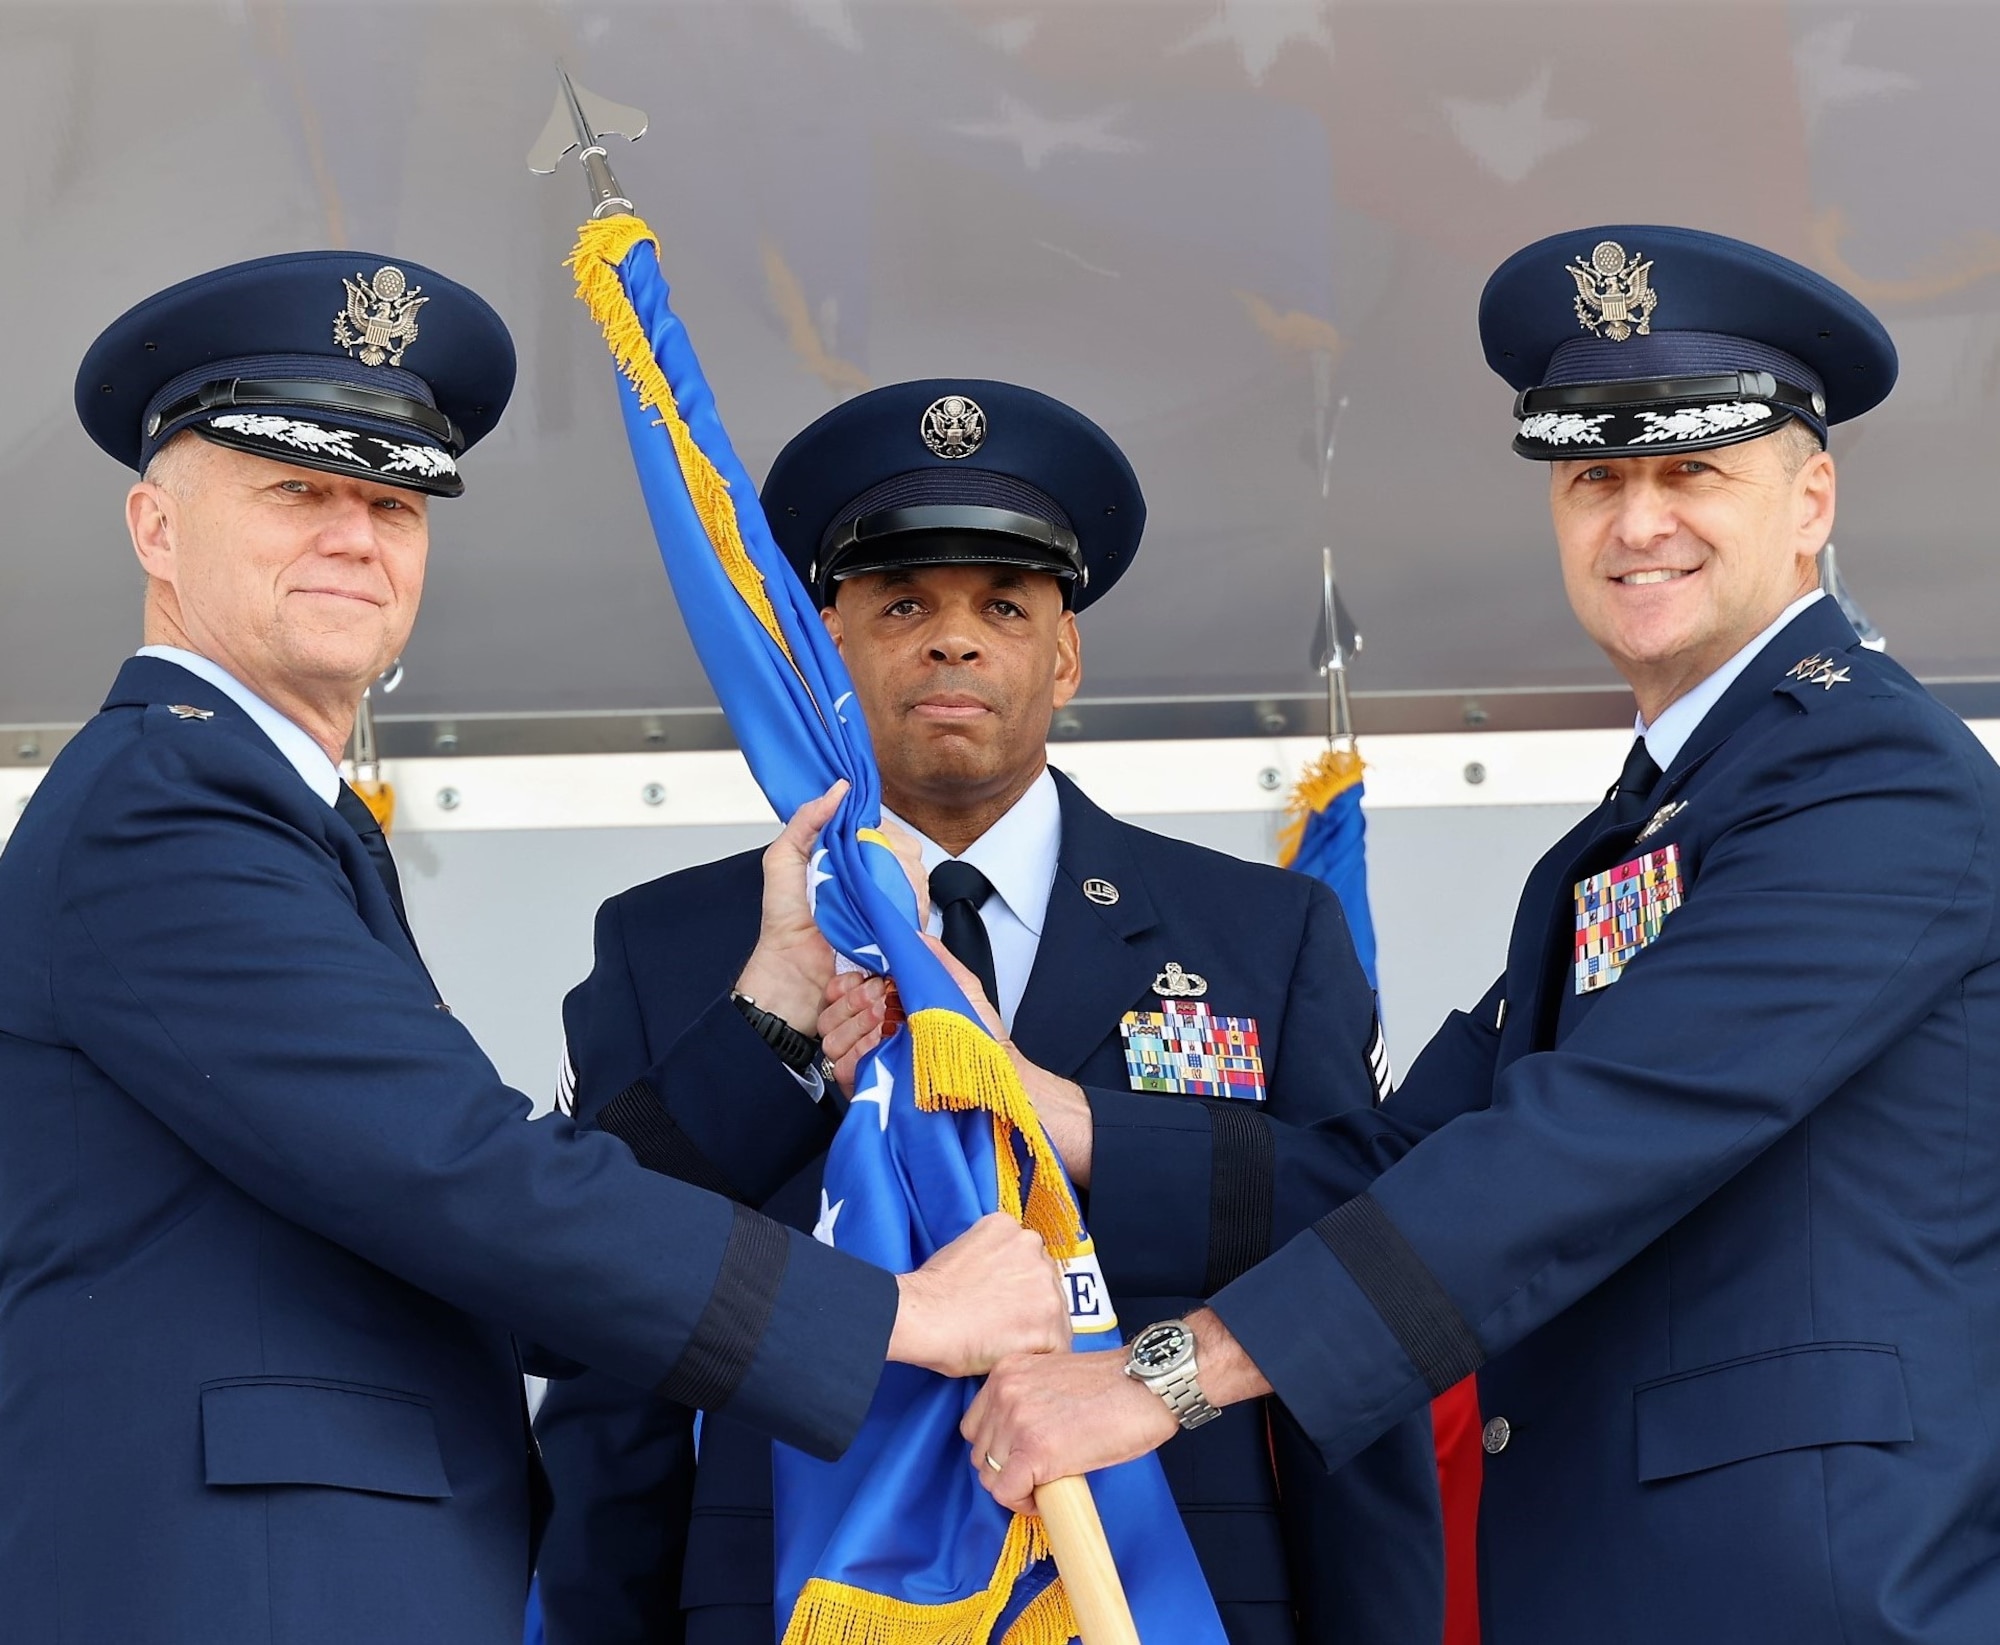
380,320
1614,293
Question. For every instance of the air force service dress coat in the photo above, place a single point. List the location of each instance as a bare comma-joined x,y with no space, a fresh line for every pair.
1724,1234
644,1547
270,1225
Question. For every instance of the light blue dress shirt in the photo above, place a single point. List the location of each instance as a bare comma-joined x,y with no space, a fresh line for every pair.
305,756
1668,735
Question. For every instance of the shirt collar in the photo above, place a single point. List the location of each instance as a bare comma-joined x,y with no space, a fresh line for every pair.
301,753
1668,735
1018,854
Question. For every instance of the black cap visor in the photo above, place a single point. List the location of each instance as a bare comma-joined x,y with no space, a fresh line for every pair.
380,452
948,534
1652,418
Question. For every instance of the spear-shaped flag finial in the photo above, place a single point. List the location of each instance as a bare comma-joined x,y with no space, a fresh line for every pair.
580,121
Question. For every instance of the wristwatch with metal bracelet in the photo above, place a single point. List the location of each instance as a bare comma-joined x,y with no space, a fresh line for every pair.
1162,1357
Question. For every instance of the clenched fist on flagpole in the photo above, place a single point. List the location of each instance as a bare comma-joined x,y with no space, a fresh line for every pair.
992,1292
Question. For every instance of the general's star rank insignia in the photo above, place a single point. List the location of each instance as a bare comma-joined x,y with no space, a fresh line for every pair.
1621,910
1818,670
187,711
1186,1050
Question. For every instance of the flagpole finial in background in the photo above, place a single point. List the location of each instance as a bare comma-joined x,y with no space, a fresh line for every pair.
580,120
1338,641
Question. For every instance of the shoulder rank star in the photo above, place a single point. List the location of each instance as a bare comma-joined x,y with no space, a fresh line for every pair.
1176,984
186,711
1818,670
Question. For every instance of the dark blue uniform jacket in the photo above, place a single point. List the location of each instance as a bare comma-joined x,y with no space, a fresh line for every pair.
645,1547
269,1224
1725,1233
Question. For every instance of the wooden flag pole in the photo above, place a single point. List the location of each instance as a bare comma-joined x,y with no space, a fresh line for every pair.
1076,1538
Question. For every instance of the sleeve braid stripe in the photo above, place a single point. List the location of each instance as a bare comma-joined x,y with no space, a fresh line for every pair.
637,1118
1407,1295
1242,1184
725,1339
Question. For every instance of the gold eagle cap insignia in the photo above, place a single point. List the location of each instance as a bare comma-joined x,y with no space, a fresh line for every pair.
1614,293
380,319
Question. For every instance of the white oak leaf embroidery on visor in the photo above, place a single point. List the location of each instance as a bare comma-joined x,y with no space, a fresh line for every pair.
291,431
1565,428
425,460
1700,422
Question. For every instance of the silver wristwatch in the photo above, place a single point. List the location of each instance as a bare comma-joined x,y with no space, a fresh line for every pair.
1162,1357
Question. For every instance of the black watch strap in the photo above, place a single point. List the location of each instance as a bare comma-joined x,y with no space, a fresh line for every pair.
798,1052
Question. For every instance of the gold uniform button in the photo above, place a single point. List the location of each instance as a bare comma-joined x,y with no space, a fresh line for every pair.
1494,1436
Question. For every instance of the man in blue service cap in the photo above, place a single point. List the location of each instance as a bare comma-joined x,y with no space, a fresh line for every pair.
952,529
1714,1213
270,1225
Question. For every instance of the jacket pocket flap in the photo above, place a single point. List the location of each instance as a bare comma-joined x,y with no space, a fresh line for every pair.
1828,1393
730,1560
293,1431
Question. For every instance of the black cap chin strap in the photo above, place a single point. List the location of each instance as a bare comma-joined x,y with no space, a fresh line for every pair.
1728,385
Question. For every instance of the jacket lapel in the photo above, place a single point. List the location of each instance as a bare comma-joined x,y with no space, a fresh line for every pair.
1091,963
146,681
1544,930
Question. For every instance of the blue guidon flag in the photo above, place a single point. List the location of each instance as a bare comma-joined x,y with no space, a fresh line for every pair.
896,1543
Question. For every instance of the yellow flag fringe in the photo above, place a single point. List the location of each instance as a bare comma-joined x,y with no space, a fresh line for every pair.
1333,773
959,1068
601,245
834,1613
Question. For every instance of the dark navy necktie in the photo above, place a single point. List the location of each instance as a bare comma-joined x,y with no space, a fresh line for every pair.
957,888
1635,786
353,810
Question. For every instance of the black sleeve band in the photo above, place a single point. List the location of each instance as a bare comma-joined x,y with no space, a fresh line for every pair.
739,1308
637,1118
1404,1292
1242,1182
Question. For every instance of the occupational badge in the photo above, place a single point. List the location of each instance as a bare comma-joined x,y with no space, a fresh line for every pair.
187,711
1621,910
1660,819
380,320
1184,1049
1177,984
953,426
1614,293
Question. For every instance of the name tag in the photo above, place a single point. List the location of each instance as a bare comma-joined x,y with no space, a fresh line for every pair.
1185,1049
1621,910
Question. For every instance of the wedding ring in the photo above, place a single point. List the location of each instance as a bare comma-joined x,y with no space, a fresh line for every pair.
995,1464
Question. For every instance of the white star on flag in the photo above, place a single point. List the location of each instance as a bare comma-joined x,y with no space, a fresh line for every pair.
816,876
828,1216
841,702
1261,29
880,1089
1510,139
1039,138
1826,78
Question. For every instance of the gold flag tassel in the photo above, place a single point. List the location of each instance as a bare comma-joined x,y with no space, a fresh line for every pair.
1328,777
601,245
834,1613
